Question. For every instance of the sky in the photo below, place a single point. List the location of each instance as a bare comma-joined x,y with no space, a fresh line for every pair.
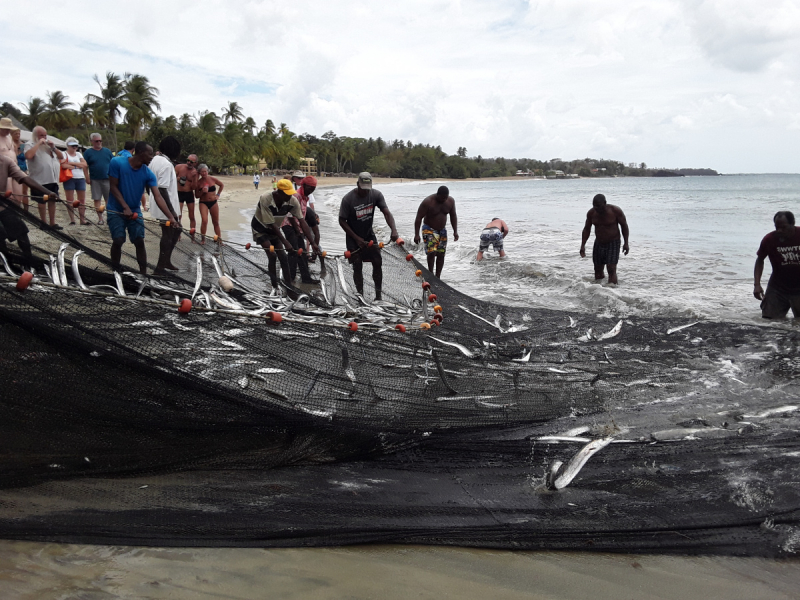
671,83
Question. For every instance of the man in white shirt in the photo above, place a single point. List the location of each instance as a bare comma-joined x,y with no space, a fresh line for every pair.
163,167
44,166
256,180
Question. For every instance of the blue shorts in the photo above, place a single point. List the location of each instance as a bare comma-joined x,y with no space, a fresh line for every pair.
119,224
75,184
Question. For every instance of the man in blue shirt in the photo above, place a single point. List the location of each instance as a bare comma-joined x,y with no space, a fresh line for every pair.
98,158
129,178
126,149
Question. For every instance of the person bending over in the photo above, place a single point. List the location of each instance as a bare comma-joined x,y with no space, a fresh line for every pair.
271,210
607,220
782,246
432,215
355,217
493,235
128,179
293,232
12,227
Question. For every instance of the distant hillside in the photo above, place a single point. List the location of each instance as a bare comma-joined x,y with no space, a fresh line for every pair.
704,172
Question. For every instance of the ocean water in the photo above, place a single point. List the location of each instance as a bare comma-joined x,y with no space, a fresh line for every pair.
693,241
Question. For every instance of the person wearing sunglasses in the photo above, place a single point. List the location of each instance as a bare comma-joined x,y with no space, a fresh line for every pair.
98,158
187,183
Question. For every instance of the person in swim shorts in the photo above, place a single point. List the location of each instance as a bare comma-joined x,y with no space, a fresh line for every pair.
607,220
187,182
432,215
493,235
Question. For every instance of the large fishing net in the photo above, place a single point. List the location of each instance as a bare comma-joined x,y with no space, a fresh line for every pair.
125,421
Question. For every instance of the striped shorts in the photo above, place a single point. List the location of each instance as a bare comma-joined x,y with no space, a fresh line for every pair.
606,254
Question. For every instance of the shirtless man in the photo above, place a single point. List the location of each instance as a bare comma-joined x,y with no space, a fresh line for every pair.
607,220
187,180
434,209
493,234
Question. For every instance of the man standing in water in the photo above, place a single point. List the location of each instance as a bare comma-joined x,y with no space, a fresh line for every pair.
434,210
783,248
187,182
355,217
607,220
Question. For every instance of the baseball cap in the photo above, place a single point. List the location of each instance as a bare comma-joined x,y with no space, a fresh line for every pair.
310,180
286,187
365,180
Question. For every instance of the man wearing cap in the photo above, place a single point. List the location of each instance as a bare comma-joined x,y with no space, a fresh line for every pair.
98,158
270,212
293,232
8,148
434,209
44,165
355,217
12,227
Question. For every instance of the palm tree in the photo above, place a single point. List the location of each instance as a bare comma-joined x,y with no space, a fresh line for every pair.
249,125
57,114
269,127
109,99
85,115
207,121
284,129
34,109
232,114
140,102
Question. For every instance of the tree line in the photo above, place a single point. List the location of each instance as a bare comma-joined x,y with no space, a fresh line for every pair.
126,107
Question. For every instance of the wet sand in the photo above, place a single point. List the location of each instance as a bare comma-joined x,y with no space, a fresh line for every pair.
54,571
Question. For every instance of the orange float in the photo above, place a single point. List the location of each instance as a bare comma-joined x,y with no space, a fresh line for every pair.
424,326
437,309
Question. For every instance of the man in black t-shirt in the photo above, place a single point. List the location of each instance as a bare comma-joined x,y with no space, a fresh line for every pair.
355,217
783,248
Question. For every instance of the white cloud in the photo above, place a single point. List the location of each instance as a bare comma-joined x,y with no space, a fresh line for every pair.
666,82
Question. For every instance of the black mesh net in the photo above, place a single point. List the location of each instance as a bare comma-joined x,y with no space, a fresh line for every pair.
124,421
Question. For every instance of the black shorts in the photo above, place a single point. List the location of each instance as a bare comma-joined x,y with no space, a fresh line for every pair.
311,217
606,254
13,227
187,197
776,304
366,254
53,187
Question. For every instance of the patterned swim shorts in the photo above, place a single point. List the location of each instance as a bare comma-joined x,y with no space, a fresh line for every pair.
435,241
491,236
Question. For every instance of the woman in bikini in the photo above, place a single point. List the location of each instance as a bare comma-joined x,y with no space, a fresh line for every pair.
207,193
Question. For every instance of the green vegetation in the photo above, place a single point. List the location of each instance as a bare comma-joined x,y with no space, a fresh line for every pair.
229,139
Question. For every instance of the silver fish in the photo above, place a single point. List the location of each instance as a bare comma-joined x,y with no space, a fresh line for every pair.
782,410
464,350
62,271
525,357
325,414
611,332
199,281
6,266
348,370
76,274
587,336
579,460
217,268
563,438
493,405
469,312
572,322
53,271
457,398
324,289
270,371
342,283
674,329
120,287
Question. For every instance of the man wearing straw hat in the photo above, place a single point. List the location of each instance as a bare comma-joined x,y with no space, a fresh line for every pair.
8,148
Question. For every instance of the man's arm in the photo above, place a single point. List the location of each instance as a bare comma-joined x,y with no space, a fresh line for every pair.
390,222
59,154
31,183
587,231
418,221
758,291
454,221
309,235
623,224
276,231
31,152
348,230
113,183
164,206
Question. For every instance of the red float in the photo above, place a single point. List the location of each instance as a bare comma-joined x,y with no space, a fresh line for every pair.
400,327
24,280
353,326
185,307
